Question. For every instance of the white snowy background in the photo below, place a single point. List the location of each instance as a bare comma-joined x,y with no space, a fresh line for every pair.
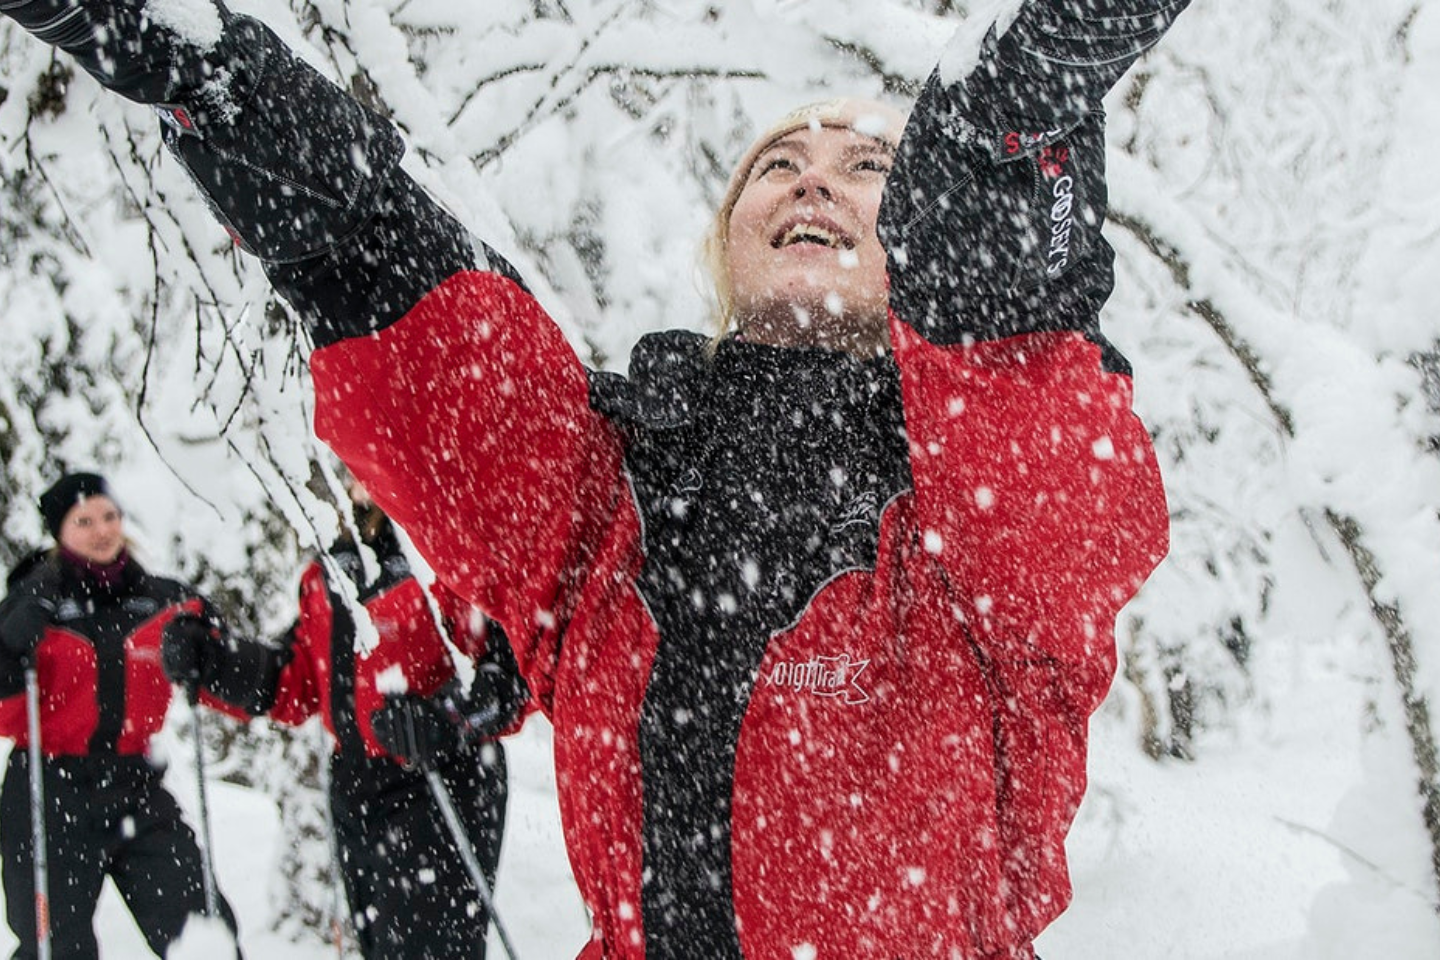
1257,791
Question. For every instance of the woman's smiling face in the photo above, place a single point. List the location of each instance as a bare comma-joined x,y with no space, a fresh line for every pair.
94,529
806,266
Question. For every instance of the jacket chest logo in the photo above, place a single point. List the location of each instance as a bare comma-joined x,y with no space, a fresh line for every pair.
141,606
836,678
71,609
862,511
690,483
683,492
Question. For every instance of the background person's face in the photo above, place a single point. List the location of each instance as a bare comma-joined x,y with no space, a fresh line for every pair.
94,530
806,266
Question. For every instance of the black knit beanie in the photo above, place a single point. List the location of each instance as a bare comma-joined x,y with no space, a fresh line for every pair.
66,493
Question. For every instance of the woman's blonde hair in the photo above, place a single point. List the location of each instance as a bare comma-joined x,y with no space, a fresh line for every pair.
869,117
715,264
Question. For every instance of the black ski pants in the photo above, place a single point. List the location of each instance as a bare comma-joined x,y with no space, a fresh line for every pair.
105,816
410,895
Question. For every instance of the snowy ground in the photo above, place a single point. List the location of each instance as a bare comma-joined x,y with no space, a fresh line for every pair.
537,899
1242,855
1226,858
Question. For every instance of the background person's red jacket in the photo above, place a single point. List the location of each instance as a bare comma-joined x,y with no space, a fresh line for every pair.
101,686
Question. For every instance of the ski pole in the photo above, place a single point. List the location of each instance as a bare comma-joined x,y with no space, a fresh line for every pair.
207,863
467,852
37,816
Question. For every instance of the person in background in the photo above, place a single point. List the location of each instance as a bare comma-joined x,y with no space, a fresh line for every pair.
390,712
88,618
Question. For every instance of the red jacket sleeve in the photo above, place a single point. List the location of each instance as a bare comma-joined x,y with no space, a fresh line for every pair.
303,683
469,423
1037,485
1040,502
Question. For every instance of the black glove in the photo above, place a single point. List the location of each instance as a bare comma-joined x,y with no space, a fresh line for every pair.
417,730
24,626
186,645
498,694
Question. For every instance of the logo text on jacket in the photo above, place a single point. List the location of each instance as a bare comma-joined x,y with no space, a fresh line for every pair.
835,677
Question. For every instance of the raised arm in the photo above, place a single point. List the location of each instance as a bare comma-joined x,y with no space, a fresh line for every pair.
1038,491
1037,483
439,379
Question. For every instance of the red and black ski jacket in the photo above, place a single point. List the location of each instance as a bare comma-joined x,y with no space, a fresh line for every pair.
102,691
819,637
